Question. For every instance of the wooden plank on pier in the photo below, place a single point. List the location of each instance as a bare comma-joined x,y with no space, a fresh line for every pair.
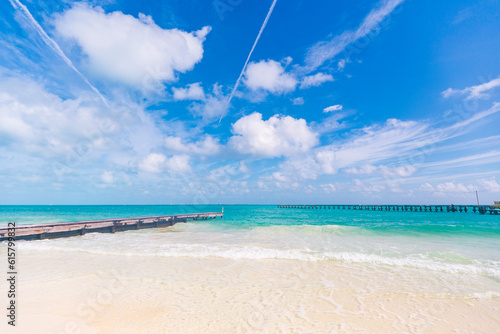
59,230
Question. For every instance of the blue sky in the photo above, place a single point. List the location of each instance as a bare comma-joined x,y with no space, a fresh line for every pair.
238,101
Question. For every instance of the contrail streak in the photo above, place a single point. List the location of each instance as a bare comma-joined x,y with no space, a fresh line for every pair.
53,45
248,58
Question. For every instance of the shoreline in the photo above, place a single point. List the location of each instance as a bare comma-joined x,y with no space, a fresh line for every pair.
126,294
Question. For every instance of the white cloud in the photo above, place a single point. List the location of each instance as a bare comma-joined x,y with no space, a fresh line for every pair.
452,187
178,163
364,187
193,91
492,157
298,101
301,167
329,188
474,92
280,177
153,163
243,168
156,163
213,106
375,143
69,141
394,141
336,107
325,50
341,64
363,170
426,187
326,161
330,123
474,118
107,177
315,80
490,185
401,171
262,27
278,136
449,92
207,146
37,122
130,50
51,43
270,76
226,176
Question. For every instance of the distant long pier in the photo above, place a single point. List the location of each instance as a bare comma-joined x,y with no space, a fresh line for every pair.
61,230
482,209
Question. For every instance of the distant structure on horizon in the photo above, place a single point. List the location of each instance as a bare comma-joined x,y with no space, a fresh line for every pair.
482,209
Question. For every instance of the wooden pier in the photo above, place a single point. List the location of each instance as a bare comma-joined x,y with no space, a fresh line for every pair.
482,209
61,230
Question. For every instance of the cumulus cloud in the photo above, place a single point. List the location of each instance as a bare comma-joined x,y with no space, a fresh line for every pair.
426,187
329,188
490,185
178,163
473,92
452,187
37,122
301,167
327,161
269,75
206,146
336,107
278,179
191,92
128,49
213,105
155,163
298,101
278,136
315,80
69,141
365,187
278,176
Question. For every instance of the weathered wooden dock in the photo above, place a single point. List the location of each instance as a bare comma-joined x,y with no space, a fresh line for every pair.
61,230
482,209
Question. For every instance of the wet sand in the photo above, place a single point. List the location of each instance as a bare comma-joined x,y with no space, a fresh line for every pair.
77,292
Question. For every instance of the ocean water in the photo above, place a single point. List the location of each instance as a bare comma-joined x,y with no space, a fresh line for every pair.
466,239
393,261
456,243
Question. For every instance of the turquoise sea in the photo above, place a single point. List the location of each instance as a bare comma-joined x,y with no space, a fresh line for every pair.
453,243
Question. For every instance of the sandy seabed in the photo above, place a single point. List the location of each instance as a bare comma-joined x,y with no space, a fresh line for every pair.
78,292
